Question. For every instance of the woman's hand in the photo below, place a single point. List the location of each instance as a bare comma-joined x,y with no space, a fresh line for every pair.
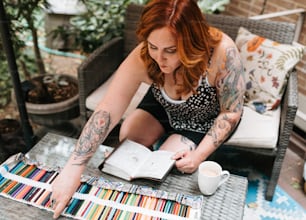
63,188
187,161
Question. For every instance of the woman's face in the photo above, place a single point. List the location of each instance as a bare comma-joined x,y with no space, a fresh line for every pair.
162,48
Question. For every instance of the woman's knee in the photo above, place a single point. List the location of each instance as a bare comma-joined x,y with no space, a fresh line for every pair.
178,142
141,127
127,128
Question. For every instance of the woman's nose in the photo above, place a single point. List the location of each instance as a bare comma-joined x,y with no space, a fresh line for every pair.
160,56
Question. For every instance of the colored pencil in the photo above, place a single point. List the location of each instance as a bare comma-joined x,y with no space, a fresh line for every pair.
113,211
86,203
43,179
13,170
19,169
93,209
91,204
13,183
26,189
106,211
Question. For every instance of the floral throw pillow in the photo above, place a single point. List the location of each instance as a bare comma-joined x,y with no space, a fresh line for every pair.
267,64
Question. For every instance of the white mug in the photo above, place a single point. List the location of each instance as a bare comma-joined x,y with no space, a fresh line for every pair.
211,176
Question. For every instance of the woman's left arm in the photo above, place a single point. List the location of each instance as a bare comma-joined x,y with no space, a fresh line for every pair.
230,85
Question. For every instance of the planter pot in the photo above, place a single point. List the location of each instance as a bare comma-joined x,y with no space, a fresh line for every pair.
53,114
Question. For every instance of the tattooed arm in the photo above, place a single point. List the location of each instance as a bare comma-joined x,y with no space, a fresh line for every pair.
230,85
228,75
107,114
93,134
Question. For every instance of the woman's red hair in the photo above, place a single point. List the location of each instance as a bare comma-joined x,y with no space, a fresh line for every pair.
195,38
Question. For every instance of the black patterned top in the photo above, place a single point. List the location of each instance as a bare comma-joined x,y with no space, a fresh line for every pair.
197,113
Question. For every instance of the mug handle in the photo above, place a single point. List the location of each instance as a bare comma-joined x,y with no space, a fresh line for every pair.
224,177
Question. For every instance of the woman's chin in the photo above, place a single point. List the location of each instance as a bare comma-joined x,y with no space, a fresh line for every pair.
165,70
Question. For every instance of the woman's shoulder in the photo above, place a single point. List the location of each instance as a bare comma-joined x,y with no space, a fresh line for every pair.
225,43
135,53
226,47
222,52
133,65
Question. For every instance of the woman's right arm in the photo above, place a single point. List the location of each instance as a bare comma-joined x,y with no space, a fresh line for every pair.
107,114
94,133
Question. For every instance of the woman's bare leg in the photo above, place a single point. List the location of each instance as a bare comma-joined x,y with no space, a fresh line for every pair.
177,142
140,126
183,148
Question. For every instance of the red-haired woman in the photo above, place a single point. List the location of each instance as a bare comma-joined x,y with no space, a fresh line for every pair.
195,100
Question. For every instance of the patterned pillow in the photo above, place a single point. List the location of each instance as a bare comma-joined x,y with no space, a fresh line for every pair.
267,64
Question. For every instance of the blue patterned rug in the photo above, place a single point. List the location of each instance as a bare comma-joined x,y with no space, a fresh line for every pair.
282,207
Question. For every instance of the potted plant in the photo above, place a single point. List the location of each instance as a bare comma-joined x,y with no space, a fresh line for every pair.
212,6
102,21
52,99
46,110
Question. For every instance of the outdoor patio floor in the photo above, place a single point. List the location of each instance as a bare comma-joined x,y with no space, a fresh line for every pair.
291,179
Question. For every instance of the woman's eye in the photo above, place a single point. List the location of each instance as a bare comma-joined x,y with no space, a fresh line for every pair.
171,50
152,47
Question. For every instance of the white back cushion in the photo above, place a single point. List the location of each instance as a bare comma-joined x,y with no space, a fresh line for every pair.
95,97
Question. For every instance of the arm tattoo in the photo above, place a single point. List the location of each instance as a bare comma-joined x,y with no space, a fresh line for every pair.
93,134
221,129
188,142
231,82
231,88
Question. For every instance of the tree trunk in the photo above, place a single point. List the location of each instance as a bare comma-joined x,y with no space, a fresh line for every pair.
39,60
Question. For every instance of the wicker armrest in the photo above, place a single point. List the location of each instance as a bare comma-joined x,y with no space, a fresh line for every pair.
289,107
97,68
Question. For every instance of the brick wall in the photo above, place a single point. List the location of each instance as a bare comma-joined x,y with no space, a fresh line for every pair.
249,8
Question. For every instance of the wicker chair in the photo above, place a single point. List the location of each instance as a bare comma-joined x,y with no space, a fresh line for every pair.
102,63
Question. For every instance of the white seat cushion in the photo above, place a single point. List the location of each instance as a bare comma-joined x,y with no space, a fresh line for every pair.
95,97
257,130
